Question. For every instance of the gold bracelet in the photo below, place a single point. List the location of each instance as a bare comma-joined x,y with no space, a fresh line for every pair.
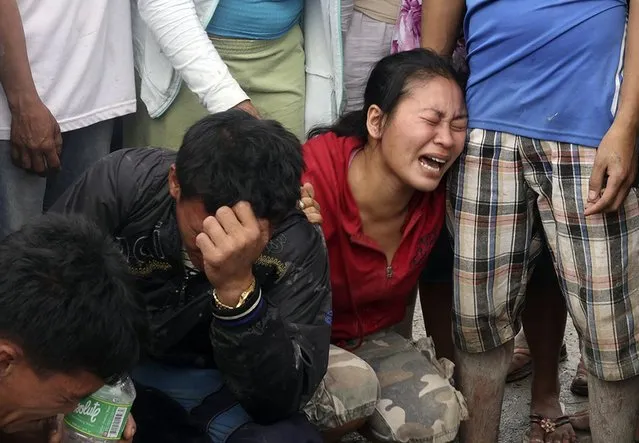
243,297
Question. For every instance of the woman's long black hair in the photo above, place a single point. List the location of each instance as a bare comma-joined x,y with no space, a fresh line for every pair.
387,85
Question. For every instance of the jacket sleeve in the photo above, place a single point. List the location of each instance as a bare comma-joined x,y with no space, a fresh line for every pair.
273,353
183,40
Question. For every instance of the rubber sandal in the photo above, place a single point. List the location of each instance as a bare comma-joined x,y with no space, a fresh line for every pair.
548,425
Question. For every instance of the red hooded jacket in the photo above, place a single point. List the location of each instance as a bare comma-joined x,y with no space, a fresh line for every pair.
368,293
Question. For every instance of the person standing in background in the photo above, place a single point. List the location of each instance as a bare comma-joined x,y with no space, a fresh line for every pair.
66,71
368,27
195,57
373,29
544,316
552,152
545,313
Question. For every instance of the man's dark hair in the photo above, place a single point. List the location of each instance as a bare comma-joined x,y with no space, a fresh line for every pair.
66,298
232,156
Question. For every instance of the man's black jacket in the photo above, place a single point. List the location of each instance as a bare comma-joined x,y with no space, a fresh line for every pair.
274,360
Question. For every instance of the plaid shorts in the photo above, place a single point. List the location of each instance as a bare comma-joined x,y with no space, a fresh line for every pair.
508,192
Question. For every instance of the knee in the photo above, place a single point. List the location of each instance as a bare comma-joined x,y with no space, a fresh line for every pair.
347,395
432,415
452,411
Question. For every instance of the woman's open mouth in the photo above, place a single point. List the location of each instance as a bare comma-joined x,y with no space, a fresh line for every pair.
430,163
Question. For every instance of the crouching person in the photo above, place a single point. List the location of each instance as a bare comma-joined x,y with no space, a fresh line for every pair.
69,323
235,278
379,174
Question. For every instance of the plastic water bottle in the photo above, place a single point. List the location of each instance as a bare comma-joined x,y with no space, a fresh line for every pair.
102,416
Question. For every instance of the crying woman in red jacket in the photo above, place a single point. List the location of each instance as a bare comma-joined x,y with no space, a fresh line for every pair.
378,178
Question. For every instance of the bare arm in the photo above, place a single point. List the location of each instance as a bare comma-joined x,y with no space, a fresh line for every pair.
615,168
441,21
628,113
35,135
15,73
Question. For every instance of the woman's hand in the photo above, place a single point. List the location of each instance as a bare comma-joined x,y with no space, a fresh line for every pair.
309,205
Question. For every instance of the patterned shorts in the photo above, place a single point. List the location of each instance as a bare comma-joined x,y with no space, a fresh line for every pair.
506,193
399,386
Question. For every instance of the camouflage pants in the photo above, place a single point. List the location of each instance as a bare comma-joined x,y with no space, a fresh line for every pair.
399,386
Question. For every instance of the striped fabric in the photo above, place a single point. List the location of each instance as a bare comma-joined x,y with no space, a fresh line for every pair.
505,194
366,42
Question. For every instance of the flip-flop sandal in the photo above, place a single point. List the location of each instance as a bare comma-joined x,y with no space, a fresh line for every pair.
548,425
521,364
579,385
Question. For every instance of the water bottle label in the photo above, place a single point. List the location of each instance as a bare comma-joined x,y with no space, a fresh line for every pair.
100,419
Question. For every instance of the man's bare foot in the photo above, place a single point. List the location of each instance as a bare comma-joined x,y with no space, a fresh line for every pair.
549,416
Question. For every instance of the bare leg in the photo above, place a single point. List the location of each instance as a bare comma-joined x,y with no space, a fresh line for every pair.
482,379
437,308
613,409
544,320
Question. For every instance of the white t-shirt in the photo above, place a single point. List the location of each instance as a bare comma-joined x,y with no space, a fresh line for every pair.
81,56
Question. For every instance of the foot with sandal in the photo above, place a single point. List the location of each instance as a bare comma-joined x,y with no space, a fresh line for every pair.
542,427
549,422
522,366
544,319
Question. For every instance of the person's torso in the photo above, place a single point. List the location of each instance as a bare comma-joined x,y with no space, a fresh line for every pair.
175,296
546,69
81,58
255,19
178,297
160,84
369,293
382,10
